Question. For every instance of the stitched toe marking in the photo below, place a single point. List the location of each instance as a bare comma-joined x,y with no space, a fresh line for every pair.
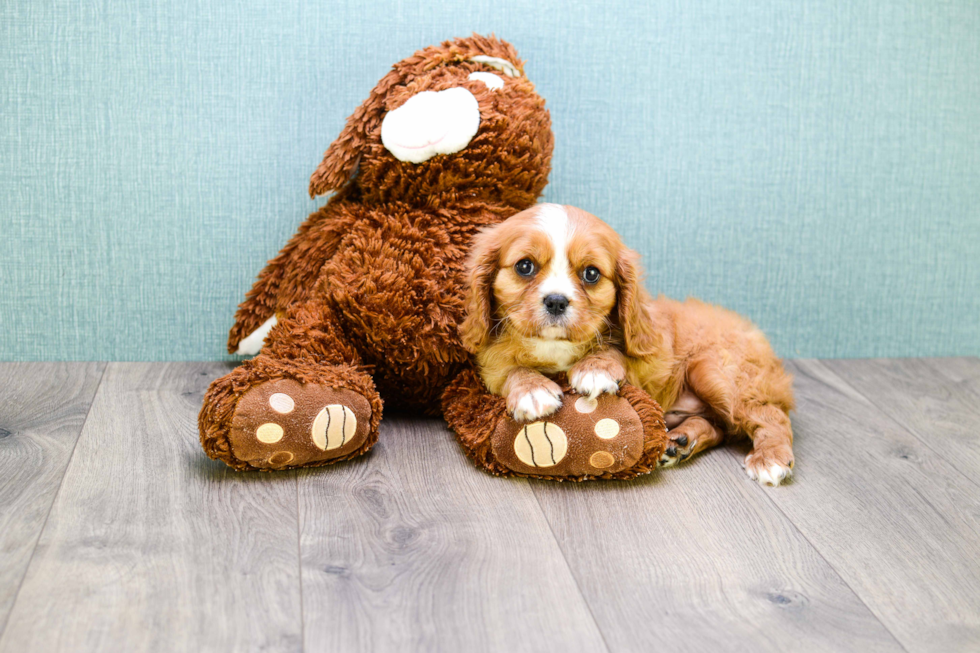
585,405
601,459
269,433
282,403
607,429
280,458
333,427
541,444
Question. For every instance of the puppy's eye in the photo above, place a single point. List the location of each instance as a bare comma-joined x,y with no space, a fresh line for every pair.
591,275
524,267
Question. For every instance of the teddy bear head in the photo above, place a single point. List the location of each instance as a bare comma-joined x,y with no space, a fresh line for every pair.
455,122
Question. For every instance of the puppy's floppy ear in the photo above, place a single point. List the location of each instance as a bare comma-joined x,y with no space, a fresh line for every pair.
340,161
639,338
476,329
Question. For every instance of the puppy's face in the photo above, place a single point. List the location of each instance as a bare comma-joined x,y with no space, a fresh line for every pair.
553,273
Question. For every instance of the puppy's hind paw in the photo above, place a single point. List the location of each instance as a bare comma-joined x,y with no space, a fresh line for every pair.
769,467
679,449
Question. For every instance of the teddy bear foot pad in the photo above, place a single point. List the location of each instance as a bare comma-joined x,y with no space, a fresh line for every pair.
284,423
585,437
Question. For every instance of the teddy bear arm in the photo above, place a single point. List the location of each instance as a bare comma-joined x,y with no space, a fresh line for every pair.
289,278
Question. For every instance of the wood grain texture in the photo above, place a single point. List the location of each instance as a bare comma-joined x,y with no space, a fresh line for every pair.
935,399
964,371
42,409
696,559
415,549
898,522
150,546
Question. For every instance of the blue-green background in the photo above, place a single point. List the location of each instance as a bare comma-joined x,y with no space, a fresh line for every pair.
813,165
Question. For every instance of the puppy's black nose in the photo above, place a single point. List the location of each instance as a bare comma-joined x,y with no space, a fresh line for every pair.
556,304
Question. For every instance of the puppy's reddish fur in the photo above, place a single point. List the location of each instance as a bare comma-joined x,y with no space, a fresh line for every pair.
712,371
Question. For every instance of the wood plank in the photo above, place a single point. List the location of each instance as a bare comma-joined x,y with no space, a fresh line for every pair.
896,521
149,545
42,409
415,549
697,558
932,398
964,371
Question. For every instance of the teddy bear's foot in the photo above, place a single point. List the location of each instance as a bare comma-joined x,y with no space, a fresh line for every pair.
584,437
612,437
284,423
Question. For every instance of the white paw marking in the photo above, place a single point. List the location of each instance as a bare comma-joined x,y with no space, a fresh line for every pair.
536,404
282,403
333,427
541,444
607,429
497,63
772,475
493,82
431,123
269,433
586,405
253,343
593,384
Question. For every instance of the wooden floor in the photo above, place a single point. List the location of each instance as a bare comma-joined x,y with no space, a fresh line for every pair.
118,534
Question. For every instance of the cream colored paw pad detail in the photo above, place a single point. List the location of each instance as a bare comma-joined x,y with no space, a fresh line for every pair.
269,433
585,405
601,459
282,403
333,427
280,458
541,444
607,429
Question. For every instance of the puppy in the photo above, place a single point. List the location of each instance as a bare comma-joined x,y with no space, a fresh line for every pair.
553,289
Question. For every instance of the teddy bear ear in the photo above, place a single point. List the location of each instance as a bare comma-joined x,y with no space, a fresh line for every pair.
340,161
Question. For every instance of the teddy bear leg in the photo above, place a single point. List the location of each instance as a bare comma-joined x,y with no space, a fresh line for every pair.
612,437
303,402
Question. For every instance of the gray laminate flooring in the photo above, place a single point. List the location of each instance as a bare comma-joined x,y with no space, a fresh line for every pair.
118,534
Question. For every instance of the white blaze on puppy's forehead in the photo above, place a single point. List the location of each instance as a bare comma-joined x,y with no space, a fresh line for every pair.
431,123
493,82
502,65
553,220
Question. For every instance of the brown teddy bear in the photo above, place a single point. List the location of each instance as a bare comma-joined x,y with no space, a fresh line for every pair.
365,301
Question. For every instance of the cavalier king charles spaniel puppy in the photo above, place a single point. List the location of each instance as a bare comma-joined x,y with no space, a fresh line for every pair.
553,289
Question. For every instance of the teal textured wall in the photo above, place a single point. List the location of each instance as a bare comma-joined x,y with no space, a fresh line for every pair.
814,165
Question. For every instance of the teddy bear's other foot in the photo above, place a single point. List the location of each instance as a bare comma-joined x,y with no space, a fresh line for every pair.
283,423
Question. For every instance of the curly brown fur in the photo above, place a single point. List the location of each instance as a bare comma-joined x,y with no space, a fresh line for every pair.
368,293
502,171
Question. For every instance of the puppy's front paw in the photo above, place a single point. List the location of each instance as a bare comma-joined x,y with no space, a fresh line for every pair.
592,377
532,402
770,466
